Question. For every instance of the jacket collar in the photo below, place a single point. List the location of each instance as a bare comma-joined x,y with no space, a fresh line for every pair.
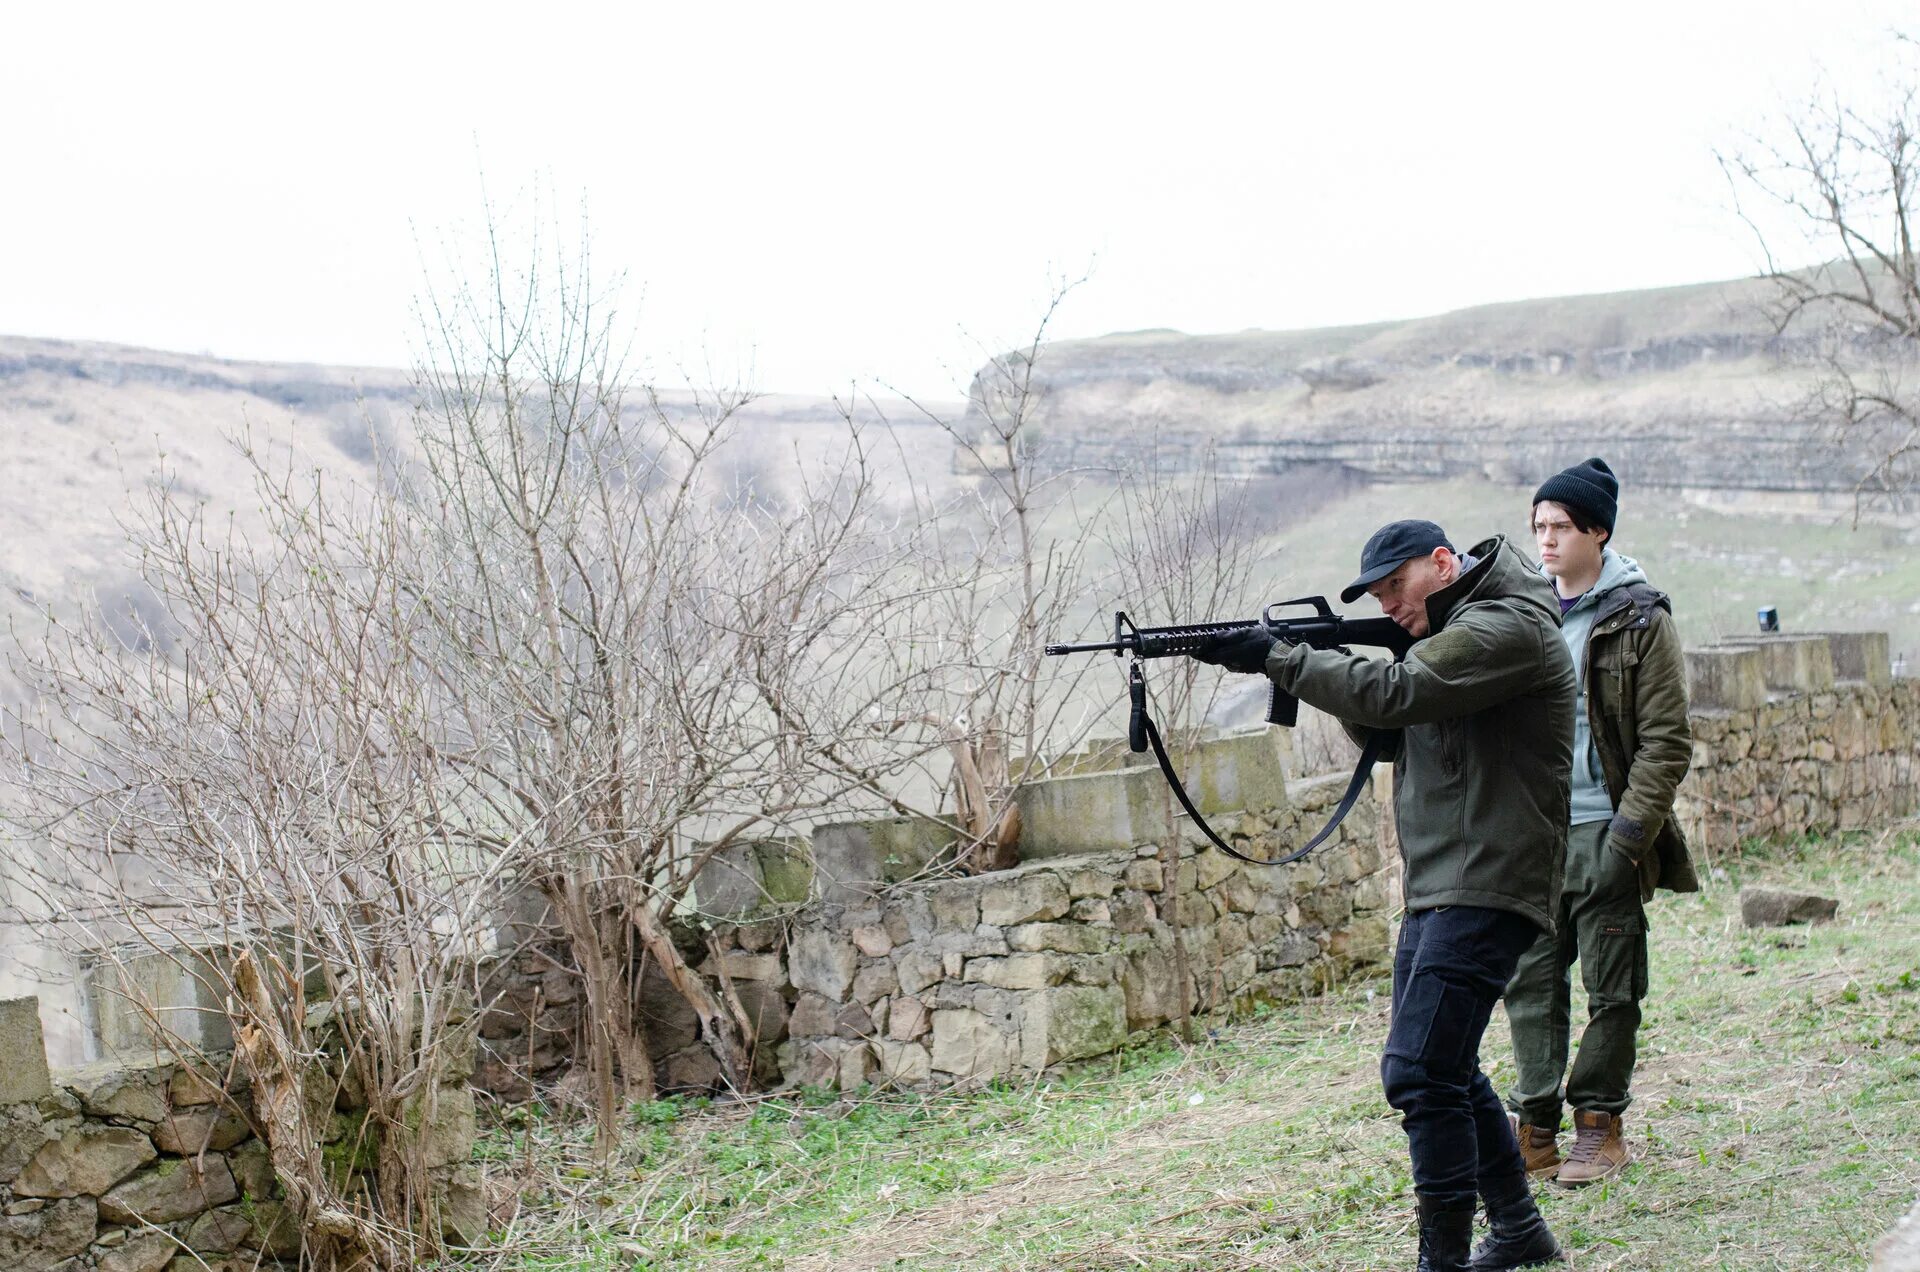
1442,604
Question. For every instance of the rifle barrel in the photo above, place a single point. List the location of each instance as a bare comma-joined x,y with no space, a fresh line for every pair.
1109,646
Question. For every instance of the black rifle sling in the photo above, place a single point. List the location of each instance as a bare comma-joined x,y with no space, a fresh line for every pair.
1376,738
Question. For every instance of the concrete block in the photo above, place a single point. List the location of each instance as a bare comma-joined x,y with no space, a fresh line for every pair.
854,859
786,870
1778,907
1862,656
1797,663
23,1053
729,884
1109,811
1726,677
1066,816
141,1003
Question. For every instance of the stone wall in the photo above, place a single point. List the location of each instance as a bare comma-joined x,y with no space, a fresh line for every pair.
1065,958
1798,734
119,1167
859,959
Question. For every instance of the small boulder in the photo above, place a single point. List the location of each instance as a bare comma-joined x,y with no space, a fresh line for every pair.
187,1131
173,1189
108,1089
143,1252
46,1236
1777,907
84,1162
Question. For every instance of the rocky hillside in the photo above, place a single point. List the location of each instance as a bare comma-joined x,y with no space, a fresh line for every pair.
89,428
1681,387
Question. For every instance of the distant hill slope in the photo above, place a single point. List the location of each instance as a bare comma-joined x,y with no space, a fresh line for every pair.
87,428
1682,386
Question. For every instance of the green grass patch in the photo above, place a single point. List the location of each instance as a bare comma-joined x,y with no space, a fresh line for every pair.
1777,1125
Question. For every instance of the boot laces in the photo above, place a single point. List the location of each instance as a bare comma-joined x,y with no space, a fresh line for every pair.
1586,1143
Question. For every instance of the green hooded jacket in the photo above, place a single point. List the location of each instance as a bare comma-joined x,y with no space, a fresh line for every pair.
1485,704
1636,682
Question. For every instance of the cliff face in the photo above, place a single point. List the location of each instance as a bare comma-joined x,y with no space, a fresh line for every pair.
1679,387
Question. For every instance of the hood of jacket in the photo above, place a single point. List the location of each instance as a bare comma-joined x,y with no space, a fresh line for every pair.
1500,573
1616,571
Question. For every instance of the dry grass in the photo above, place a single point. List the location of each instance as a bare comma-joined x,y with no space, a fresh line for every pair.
1777,1126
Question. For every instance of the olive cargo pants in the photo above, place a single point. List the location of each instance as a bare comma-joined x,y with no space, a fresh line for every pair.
1601,924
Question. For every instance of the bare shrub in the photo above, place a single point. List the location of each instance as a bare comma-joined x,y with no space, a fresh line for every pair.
1838,185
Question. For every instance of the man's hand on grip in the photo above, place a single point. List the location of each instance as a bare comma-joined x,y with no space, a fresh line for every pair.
1244,651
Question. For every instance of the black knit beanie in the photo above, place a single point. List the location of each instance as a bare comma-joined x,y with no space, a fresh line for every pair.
1589,489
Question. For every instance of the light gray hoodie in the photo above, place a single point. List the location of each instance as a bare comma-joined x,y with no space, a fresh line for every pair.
1591,803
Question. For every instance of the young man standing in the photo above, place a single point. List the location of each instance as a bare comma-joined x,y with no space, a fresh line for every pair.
1482,713
1631,748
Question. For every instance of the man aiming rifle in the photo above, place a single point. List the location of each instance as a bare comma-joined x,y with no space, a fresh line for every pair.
1484,706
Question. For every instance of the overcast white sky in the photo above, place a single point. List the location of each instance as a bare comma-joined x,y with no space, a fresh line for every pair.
833,191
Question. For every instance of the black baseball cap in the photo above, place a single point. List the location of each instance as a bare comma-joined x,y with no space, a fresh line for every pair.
1392,546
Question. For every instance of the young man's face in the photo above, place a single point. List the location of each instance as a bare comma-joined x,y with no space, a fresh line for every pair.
1565,549
1403,594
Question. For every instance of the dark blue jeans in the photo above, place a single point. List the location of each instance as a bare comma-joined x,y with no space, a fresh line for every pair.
1451,967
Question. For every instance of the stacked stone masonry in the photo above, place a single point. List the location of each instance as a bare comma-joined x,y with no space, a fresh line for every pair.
156,1168
961,981
1796,735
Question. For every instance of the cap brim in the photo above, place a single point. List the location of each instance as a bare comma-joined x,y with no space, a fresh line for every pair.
1354,590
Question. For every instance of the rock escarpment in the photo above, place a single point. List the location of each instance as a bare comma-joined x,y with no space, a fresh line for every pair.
1685,387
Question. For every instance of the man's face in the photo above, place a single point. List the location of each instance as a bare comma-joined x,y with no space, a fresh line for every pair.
1403,594
1565,549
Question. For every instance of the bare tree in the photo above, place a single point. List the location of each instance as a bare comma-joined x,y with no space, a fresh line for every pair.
648,668
264,808
1836,185
547,651
1187,548
1009,569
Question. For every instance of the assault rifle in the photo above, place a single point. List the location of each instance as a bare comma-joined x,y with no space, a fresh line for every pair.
1322,629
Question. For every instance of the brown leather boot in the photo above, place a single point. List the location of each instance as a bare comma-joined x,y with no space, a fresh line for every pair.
1598,1149
1539,1147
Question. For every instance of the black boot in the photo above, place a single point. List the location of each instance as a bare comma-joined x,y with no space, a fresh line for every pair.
1519,1238
1446,1230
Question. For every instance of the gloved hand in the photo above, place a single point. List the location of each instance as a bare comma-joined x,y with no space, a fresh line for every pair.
1628,837
1244,651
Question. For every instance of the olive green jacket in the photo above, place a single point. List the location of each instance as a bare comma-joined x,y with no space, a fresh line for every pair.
1636,678
1485,706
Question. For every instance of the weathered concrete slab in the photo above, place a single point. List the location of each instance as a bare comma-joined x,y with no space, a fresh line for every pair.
23,1052
1122,808
1726,677
851,860
1796,663
730,884
1863,656
138,1001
